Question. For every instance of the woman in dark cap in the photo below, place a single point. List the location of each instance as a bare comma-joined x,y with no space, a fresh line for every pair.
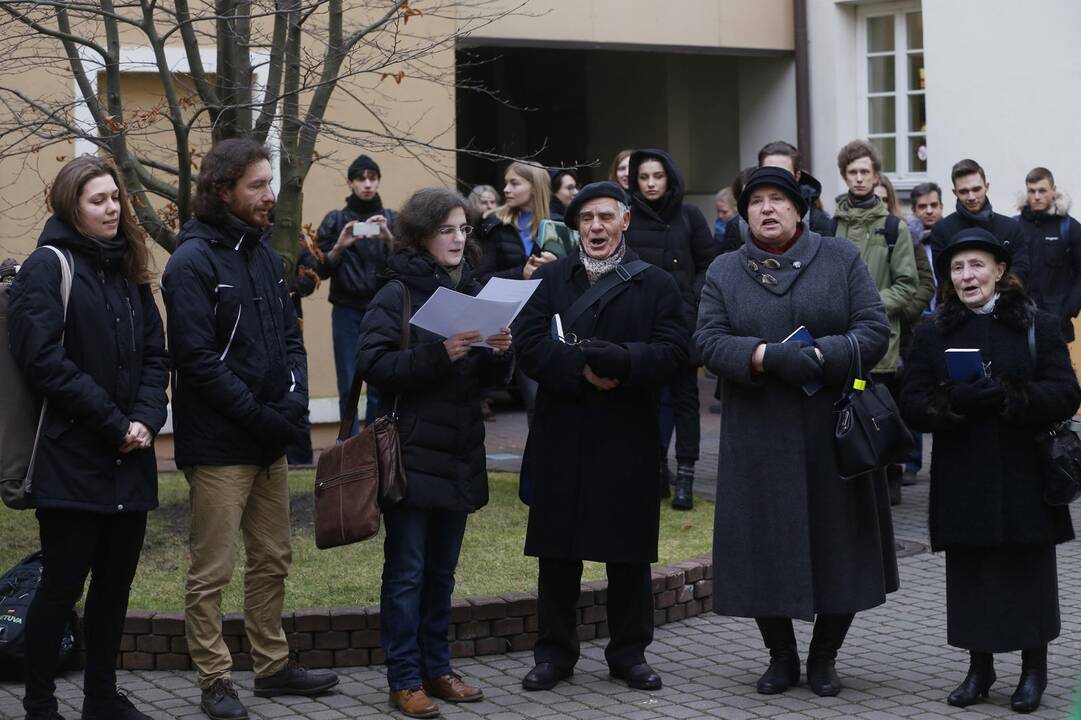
675,237
792,539
987,510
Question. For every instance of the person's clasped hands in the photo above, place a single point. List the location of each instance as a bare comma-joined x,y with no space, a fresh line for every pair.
982,395
138,437
796,363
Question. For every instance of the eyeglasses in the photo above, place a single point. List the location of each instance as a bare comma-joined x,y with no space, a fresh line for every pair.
448,230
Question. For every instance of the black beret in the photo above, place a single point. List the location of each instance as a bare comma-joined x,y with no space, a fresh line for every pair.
592,191
974,238
775,177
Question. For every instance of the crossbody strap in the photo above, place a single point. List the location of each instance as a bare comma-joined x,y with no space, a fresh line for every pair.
622,273
345,429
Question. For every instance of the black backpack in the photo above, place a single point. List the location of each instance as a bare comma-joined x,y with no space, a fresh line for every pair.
893,224
17,589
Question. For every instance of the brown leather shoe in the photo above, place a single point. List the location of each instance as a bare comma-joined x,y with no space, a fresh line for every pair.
413,702
452,688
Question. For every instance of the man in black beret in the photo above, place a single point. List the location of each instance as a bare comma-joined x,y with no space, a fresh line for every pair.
600,335
353,258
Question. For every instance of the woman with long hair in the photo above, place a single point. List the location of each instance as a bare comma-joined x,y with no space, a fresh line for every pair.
619,171
101,366
509,234
435,384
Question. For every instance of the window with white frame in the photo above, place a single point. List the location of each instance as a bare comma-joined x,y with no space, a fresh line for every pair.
893,108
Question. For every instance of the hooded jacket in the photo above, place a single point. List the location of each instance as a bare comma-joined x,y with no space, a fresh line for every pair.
1054,280
670,234
111,370
240,382
354,275
439,415
895,273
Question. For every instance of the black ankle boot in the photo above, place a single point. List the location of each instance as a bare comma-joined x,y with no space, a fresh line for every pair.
829,634
1033,682
684,497
978,682
783,670
666,480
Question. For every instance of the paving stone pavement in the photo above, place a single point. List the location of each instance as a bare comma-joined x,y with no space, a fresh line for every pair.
895,664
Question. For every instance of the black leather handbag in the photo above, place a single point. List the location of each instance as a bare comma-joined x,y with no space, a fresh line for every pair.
1060,462
869,433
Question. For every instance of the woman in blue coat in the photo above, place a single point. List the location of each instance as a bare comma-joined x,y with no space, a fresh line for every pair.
102,367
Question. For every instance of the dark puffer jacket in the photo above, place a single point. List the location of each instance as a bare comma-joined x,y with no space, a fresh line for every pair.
440,422
1054,280
669,234
354,275
986,487
502,252
111,370
241,374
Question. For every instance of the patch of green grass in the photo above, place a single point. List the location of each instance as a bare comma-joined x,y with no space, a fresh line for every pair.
491,562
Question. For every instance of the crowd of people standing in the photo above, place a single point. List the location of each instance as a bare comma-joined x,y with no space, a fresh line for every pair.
647,291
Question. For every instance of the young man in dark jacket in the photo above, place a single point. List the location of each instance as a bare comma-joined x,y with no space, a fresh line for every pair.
970,186
1054,249
239,393
674,236
353,263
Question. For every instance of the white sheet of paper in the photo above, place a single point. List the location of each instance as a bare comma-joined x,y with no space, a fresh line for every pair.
503,290
448,313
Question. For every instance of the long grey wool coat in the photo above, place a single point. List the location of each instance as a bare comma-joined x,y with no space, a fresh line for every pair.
791,538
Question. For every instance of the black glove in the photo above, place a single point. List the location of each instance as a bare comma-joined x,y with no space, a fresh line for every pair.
607,360
794,362
983,395
290,406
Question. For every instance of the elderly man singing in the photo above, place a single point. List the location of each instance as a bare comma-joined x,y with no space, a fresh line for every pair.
603,331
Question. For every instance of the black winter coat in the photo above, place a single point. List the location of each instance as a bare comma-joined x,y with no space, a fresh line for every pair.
240,382
1054,280
986,487
1004,228
592,457
669,234
111,370
501,251
354,276
439,413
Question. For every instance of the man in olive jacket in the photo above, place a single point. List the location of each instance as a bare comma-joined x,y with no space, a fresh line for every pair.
592,458
862,218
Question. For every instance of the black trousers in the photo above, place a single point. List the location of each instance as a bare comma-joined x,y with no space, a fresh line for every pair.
679,411
630,613
76,543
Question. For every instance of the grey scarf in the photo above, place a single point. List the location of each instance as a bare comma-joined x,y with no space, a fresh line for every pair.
596,269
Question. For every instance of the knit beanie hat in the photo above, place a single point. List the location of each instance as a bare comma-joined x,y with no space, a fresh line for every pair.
361,165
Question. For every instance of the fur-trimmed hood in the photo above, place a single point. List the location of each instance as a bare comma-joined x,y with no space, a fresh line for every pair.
1013,308
1060,206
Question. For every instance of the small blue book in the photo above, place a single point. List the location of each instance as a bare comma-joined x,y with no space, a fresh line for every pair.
803,335
965,364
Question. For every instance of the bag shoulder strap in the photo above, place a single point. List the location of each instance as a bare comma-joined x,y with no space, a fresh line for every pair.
622,273
1064,232
891,231
345,428
1032,341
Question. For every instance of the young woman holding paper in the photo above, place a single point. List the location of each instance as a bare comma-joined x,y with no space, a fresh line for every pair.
987,510
437,384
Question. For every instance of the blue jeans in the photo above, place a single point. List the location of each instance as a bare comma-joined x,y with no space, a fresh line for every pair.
420,554
345,330
914,461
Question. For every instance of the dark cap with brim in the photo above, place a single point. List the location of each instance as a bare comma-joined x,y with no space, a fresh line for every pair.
975,238
774,177
592,191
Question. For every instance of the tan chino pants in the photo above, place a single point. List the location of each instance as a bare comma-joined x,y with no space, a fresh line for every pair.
254,500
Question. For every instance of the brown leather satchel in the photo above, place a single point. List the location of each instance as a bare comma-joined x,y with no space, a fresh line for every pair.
362,474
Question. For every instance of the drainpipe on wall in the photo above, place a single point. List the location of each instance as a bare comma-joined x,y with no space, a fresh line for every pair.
803,80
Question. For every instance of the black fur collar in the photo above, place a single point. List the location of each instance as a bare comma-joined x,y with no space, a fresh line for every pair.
1013,308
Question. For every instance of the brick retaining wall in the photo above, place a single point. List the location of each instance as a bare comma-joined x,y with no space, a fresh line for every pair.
345,637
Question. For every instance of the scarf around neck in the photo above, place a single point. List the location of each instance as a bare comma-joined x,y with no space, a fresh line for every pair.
366,208
988,307
981,218
596,269
862,203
